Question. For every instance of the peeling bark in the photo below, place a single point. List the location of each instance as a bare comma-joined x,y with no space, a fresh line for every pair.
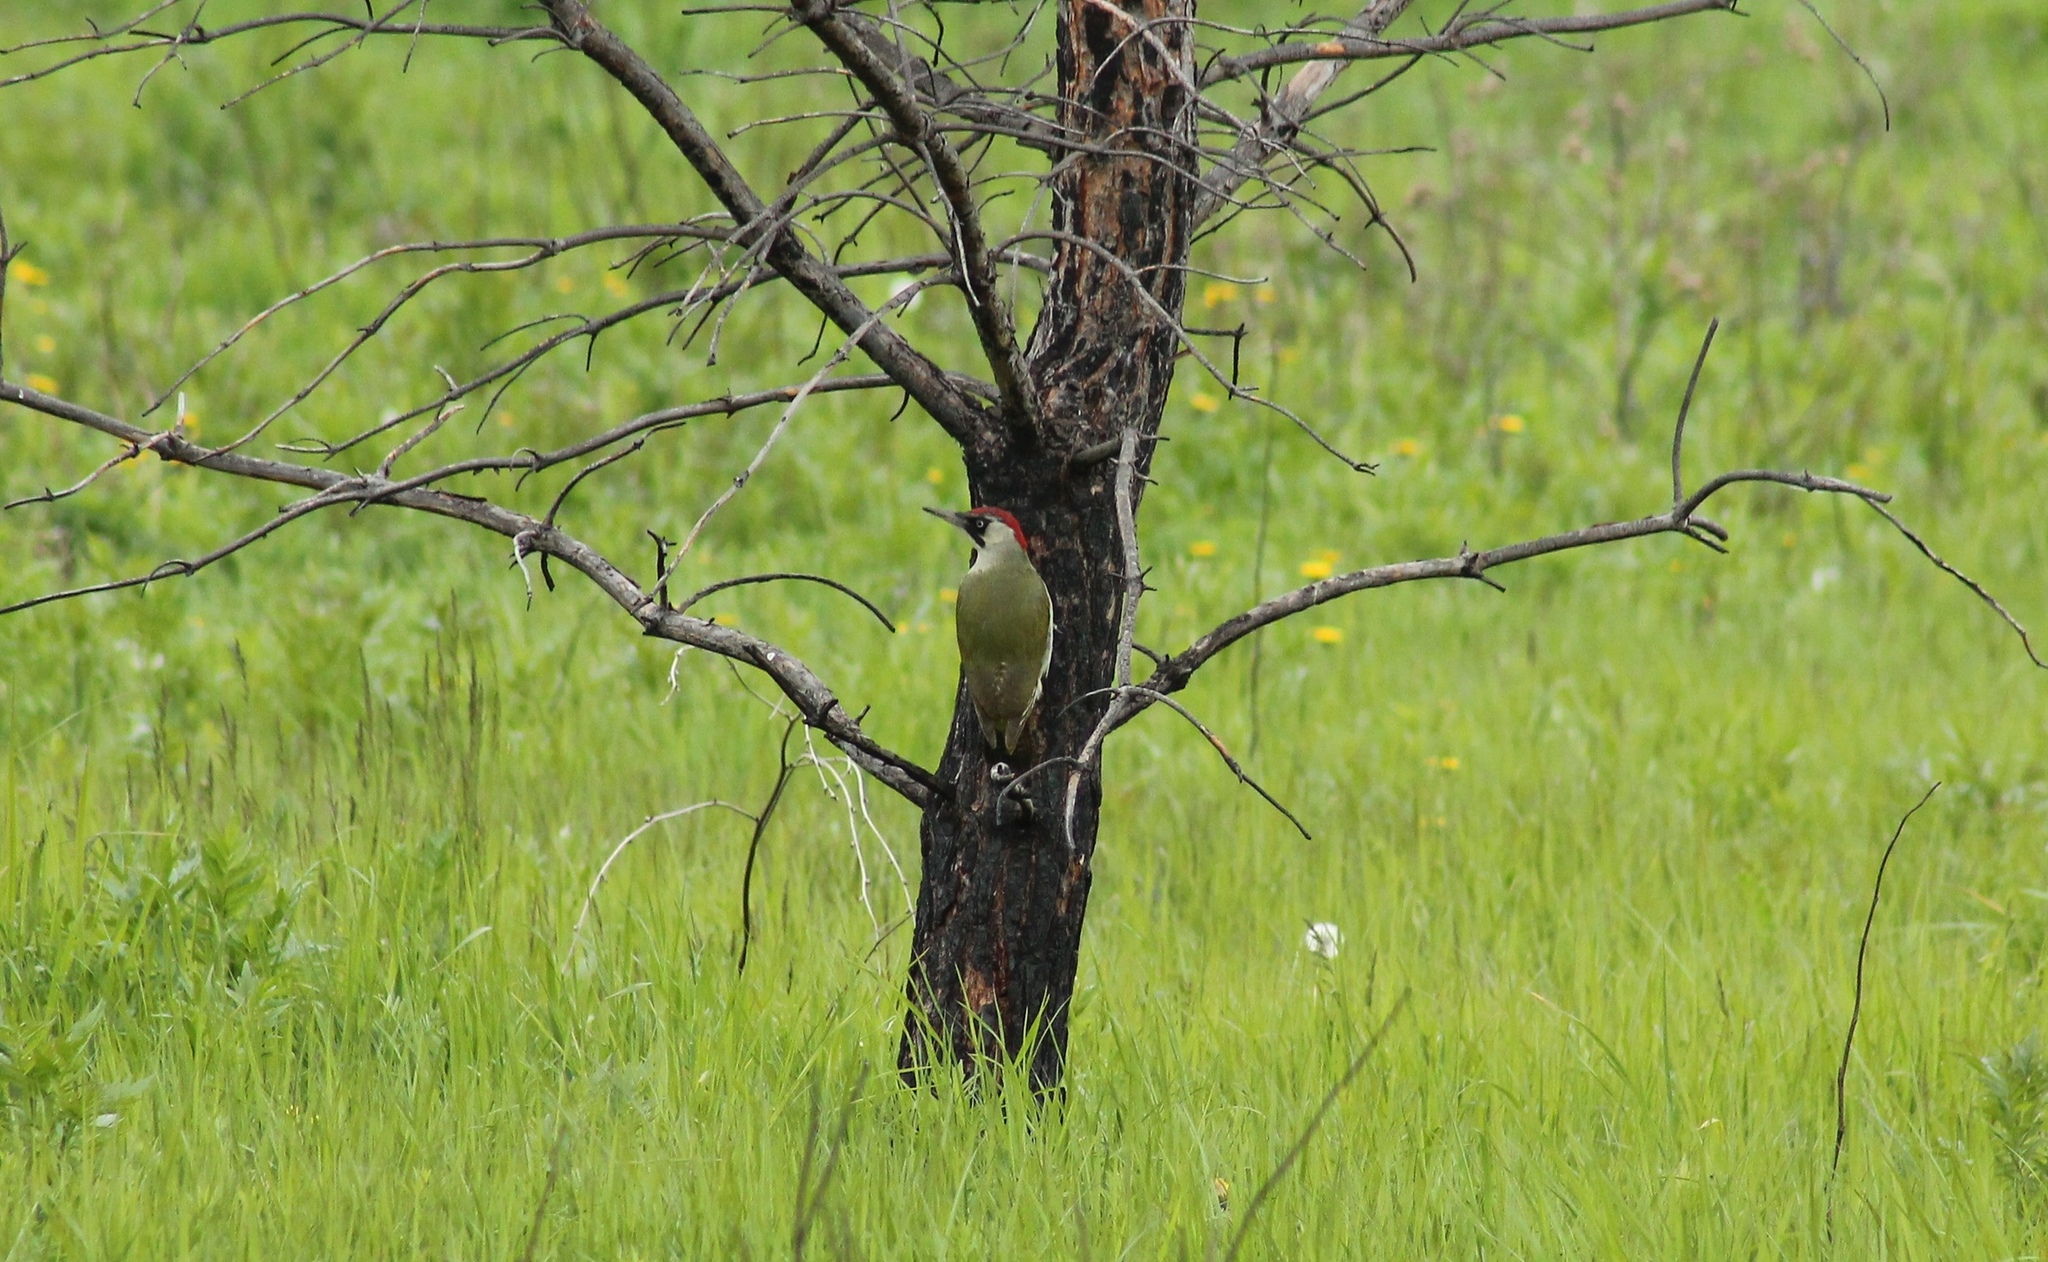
1002,900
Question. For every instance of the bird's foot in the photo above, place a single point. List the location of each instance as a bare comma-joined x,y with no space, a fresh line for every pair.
1014,809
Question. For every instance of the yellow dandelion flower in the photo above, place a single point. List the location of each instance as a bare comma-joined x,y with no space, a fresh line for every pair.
1267,295
1290,354
1202,548
46,345
923,627
1449,762
565,284
935,475
1318,569
1217,292
949,595
1790,540
725,620
505,419
615,284
24,272
1677,567
1204,402
1509,424
191,421
1327,635
40,381
1858,472
1407,447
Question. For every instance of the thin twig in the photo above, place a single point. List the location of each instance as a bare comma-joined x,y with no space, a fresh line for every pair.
817,704
782,775
1883,101
834,584
1236,768
1856,1008
1461,34
604,869
1315,1121
746,475
547,1191
2026,641
1684,409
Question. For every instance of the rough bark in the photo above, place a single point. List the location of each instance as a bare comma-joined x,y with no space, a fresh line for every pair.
1004,891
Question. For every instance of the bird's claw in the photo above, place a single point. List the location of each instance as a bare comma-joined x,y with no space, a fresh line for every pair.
1011,809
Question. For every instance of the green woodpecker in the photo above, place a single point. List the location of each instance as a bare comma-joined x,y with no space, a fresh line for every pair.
1004,622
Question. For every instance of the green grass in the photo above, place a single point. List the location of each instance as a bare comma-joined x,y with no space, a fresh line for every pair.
291,853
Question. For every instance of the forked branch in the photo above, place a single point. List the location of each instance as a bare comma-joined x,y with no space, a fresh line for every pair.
1466,31
531,536
1683,517
916,128
957,412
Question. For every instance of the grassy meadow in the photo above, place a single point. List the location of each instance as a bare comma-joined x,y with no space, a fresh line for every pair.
292,853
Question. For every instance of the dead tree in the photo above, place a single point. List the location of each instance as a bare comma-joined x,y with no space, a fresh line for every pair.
1141,127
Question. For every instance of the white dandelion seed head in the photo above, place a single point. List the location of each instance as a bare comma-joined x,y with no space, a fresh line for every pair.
1323,938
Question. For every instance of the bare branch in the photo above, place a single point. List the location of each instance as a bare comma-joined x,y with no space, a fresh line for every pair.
528,462
1315,1122
1134,567
130,452
783,771
1284,115
1466,564
542,249
751,579
604,869
1187,342
1883,101
746,475
817,705
193,35
1467,31
1685,409
2026,641
1683,517
1360,40
1856,1008
957,412
992,320
1223,752
1122,705
940,92
8,250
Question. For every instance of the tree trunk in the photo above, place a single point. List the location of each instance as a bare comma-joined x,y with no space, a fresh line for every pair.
1004,891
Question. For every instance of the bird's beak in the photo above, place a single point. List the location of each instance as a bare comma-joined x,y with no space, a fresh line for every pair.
957,520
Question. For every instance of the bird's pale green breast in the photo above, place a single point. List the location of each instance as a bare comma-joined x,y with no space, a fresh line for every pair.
1004,616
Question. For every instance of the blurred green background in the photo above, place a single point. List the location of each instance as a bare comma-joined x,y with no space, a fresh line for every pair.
291,852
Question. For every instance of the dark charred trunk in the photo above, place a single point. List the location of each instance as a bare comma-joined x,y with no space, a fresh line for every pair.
1005,889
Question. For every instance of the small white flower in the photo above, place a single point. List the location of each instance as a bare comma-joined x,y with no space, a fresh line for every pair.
1323,938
